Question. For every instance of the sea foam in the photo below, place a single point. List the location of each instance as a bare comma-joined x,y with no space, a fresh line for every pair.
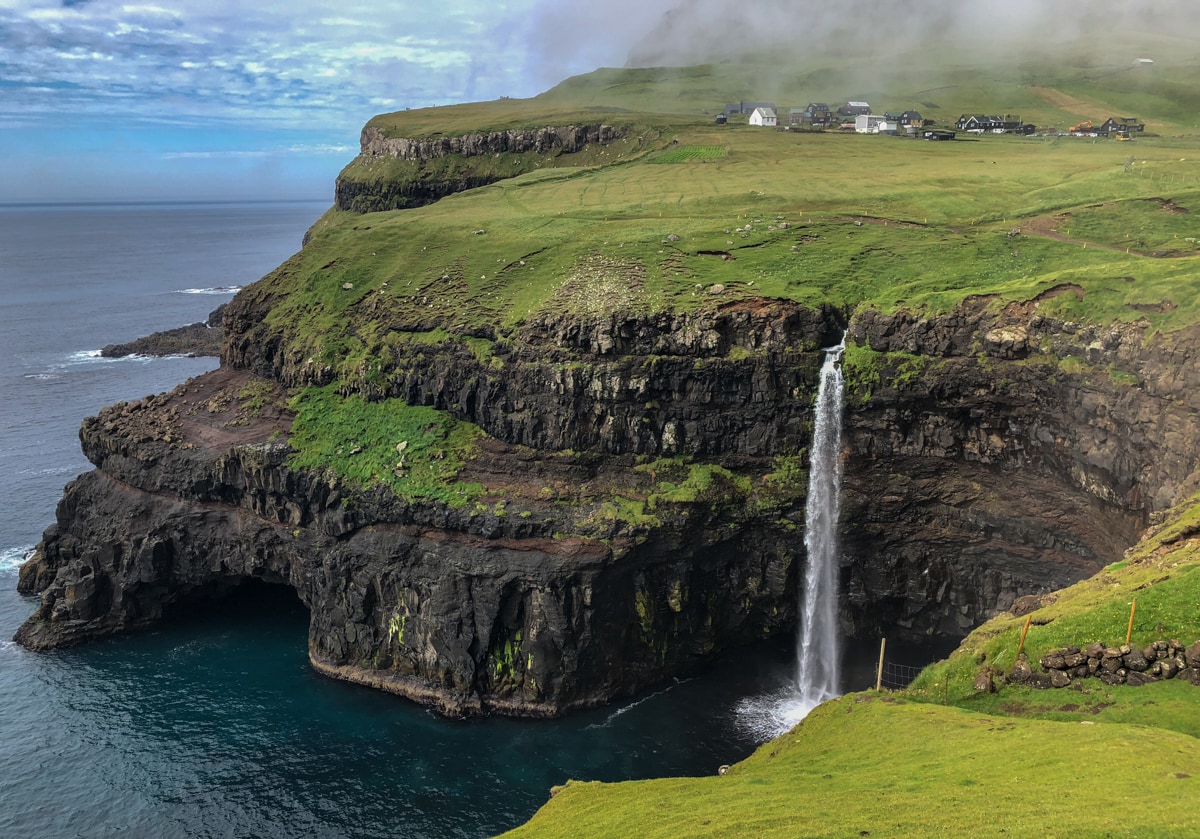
220,289
11,558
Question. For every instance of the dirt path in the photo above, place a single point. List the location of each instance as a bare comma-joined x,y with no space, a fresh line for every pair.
1047,228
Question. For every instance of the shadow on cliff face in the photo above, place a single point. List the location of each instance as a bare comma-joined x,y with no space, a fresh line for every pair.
233,597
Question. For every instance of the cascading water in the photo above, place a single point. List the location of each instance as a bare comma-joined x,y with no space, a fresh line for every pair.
817,652
817,670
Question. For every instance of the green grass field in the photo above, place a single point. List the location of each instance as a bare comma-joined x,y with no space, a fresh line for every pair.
868,765
853,220
942,760
817,218
681,207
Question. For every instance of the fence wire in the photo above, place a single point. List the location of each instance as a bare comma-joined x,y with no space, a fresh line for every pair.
898,676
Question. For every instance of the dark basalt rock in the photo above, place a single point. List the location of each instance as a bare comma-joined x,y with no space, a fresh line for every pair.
195,339
987,475
384,193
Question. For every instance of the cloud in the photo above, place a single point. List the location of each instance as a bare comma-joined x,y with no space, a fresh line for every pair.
274,64
699,31
245,154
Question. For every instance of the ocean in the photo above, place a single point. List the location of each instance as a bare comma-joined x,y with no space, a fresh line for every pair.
214,725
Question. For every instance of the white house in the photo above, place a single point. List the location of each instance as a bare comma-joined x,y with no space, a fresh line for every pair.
764,117
872,124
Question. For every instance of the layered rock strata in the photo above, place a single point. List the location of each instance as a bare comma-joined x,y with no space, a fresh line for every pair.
444,165
990,453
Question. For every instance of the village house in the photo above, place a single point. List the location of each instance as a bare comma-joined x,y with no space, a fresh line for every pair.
854,109
1121,126
821,116
814,115
874,124
764,117
979,123
738,108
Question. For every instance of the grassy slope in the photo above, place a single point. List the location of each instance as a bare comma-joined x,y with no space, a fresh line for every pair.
870,766
592,238
956,200
939,760
1018,762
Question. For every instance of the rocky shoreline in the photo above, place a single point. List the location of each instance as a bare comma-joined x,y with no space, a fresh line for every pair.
196,339
977,470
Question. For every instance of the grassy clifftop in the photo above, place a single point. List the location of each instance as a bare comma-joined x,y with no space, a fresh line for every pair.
943,759
850,220
699,215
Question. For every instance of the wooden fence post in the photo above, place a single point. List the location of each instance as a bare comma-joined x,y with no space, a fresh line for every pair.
1132,611
879,671
1024,632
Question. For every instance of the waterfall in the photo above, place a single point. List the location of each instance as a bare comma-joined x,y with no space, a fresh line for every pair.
817,654
817,649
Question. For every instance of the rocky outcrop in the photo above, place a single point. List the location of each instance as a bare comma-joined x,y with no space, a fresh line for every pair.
733,381
470,611
565,139
195,339
991,453
997,447
443,165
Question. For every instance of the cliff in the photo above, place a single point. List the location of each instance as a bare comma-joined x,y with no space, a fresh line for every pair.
977,470
393,173
541,445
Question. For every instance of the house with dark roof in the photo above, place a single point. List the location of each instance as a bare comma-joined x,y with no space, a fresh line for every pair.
737,108
815,115
1121,125
979,123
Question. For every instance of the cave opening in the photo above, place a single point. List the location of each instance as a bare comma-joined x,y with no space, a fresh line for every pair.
236,598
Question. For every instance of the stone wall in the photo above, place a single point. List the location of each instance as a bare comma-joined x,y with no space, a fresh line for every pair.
1123,665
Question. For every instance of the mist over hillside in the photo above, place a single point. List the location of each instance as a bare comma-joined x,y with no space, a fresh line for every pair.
696,31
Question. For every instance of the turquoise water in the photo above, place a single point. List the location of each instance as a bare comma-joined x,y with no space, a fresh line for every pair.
215,726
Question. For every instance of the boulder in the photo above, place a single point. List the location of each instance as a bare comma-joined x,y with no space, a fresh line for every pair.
1074,659
1021,672
1134,660
1053,661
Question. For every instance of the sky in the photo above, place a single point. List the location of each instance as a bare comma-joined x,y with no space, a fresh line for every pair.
226,99
237,99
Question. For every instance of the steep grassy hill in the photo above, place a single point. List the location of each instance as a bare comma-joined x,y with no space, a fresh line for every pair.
946,759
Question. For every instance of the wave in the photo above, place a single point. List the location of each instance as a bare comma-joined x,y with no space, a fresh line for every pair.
51,470
219,289
626,708
11,558
73,361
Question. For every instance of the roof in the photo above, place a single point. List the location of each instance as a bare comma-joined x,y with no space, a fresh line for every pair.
853,104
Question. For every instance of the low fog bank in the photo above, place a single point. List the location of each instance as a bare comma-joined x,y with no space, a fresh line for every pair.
702,31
